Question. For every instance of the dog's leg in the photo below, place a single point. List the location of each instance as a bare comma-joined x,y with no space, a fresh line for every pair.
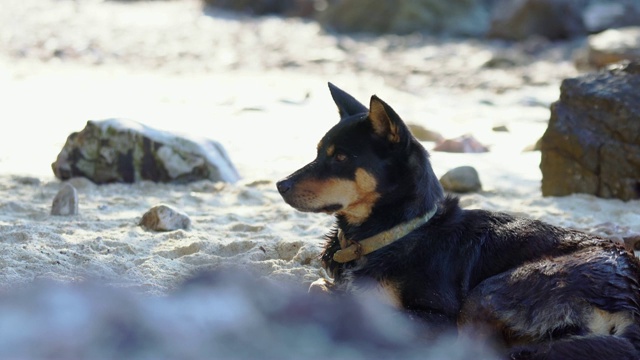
578,348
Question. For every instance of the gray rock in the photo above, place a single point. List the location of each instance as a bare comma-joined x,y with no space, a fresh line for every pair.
462,179
119,150
458,17
65,202
165,218
592,142
614,45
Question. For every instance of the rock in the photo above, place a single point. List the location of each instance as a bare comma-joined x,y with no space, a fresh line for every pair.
613,46
462,179
462,144
305,8
560,19
500,128
592,142
521,19
632,243
165,218
457,17
118,150
65,202
423,134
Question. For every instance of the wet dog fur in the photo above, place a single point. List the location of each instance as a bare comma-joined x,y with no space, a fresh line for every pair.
532,290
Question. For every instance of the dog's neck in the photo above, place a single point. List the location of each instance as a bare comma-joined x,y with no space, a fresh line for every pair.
353,250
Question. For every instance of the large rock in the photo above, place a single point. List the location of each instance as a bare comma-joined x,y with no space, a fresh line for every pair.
592,143
303,8
458,17
560,19
117,150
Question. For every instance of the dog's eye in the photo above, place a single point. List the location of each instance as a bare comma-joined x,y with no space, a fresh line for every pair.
340,157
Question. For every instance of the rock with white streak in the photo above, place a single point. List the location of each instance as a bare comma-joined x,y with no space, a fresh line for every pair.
119,150
165,218
65,202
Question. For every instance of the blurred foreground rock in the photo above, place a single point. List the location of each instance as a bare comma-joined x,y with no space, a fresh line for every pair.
118,150
215,316
65,203
592,143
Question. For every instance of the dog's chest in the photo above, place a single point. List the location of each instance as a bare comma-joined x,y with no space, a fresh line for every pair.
384,290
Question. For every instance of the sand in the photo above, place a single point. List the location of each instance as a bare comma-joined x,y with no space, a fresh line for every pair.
259,87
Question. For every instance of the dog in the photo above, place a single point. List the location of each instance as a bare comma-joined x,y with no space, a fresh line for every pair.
529,289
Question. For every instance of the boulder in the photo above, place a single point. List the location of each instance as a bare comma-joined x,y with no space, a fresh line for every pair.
560,19
614,45
457,17
118,150
462,144
592,142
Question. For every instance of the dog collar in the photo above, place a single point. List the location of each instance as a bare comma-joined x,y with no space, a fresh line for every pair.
357,249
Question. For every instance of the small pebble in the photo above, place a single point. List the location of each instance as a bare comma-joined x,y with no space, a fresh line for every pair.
165,218
66,202
462,179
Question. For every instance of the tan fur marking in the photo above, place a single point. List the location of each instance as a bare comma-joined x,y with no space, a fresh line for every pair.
355,197
331,150
605,323
365,197
388,293
319,145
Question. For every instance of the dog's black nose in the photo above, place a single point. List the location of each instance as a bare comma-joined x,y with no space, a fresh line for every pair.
284,185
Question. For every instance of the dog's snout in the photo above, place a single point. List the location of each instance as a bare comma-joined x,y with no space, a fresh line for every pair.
284,186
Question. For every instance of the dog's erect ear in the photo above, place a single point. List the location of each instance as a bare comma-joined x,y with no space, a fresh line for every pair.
347,104
386,123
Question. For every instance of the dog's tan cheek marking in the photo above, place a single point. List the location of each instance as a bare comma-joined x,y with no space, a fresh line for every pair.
323,193
366,196
605,323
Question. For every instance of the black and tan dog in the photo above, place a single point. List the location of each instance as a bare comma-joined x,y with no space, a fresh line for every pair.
534,290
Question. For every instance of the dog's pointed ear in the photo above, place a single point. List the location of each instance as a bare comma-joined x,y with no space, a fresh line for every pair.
347,104
386,123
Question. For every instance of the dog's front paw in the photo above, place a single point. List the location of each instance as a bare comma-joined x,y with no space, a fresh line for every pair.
320,286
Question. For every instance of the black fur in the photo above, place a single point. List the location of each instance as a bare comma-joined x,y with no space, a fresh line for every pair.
535,290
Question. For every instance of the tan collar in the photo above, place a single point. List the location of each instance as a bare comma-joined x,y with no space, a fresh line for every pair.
357,249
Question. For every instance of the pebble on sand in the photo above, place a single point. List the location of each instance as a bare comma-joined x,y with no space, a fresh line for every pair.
165,218
65,202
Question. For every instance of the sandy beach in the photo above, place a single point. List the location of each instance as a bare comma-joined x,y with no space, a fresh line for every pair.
258,86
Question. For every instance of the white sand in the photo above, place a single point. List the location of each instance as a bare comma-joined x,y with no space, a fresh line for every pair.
231,88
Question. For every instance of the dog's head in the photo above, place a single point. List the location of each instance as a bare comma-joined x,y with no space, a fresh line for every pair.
367,160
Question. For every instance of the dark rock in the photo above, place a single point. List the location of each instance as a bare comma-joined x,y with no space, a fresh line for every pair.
117,150
462,179
553,19
423,134
165,218
458,17
500,128
592,142
462,144
614,45
560,19
304,8
65,202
